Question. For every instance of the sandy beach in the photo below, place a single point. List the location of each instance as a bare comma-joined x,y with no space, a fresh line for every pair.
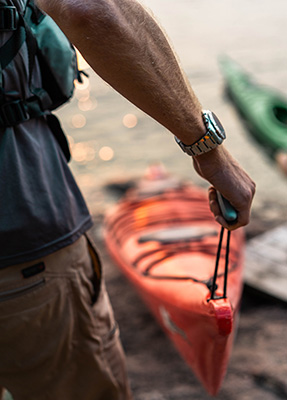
112,141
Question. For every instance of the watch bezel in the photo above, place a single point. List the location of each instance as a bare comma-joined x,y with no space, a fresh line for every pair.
214,125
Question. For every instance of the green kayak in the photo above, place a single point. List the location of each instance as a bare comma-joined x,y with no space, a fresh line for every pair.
263,109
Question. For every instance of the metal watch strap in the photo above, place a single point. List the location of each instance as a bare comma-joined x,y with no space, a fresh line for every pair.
203,145
207,142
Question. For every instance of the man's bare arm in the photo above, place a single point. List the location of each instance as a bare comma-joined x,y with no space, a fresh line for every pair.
125,46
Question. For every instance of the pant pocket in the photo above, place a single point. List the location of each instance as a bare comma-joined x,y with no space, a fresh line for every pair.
10,294
96,268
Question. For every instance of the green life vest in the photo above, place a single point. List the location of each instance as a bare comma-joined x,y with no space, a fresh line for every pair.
58,65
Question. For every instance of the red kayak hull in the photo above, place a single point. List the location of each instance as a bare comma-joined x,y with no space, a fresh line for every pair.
165,242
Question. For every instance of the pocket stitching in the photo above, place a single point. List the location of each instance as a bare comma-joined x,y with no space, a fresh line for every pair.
21,290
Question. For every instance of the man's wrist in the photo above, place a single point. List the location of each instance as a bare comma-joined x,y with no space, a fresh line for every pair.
213,136
213,154
194,134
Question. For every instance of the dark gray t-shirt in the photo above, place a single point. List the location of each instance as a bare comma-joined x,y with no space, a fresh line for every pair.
41,207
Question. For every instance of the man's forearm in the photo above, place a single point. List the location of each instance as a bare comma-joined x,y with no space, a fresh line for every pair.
126,47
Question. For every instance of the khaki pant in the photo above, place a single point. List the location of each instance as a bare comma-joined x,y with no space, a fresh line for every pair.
57,341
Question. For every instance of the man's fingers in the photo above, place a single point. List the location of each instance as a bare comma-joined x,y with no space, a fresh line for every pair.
243,218
213,203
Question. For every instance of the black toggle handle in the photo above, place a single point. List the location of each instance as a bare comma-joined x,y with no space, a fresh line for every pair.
228,212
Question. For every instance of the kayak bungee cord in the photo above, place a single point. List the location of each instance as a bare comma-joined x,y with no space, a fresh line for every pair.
147,212
169,253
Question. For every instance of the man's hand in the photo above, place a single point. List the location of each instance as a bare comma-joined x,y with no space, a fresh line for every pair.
225,175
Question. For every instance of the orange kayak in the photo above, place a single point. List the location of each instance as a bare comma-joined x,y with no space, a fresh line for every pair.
164,238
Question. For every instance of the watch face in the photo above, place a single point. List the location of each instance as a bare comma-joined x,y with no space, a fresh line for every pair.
217,125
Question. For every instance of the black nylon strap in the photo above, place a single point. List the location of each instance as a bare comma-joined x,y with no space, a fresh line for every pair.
9,50
15,112
32,47
12,113
57,131
19,111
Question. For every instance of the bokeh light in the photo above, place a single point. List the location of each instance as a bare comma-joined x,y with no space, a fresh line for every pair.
78,121
130,121
106,153
83,152
86,104
83,95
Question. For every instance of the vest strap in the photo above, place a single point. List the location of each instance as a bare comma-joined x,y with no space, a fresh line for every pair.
13,113
10,49
19,111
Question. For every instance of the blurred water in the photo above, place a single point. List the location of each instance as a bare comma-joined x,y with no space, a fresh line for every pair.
248,29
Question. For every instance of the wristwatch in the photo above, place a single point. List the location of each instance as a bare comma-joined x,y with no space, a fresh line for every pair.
213,136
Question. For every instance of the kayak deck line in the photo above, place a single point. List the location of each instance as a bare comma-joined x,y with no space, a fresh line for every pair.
168,254
129,225
172,245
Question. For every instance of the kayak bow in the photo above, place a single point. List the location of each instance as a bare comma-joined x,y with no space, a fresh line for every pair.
264,110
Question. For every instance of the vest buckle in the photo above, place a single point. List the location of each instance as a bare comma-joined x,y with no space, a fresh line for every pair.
13,113
8,18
